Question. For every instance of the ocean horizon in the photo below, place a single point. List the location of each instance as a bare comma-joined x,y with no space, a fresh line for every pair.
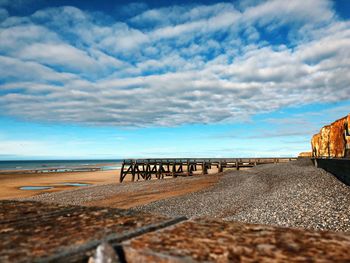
105,164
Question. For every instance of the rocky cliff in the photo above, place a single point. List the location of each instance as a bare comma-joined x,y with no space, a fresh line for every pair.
333,140
305,155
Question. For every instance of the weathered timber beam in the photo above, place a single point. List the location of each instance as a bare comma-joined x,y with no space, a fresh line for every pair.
121,178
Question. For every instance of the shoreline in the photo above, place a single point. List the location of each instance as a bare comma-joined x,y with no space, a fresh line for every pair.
274,194
61,169
10,183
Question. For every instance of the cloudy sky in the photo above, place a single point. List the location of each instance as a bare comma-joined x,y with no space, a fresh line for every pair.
96,79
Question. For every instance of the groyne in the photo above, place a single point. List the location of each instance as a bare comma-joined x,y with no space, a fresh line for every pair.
159,168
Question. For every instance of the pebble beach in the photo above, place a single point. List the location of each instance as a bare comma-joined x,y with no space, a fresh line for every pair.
294,194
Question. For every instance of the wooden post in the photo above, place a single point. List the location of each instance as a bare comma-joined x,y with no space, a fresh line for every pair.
173,172
191,169
148,175
237,164
133,166
121,178
180,170
220,168
159,172
154,170
188,168
204,168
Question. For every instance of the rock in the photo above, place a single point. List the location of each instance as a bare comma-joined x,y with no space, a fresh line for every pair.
316,144
305,154
324,147
333,140
347,136
294,194
104,254
236,242
337,142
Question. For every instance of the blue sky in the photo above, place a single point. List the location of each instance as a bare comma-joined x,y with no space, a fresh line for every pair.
97,79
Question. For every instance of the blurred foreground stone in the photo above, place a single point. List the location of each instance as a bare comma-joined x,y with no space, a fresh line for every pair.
205,240
36,232
32,231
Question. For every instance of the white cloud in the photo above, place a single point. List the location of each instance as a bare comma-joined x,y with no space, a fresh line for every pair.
197,64
14,69
297,11
62,55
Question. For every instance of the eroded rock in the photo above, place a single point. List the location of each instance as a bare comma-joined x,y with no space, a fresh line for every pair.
333,140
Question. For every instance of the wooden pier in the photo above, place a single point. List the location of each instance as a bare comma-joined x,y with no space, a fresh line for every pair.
159,168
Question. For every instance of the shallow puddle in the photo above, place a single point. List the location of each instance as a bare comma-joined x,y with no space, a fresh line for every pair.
50,187
75,184
35,187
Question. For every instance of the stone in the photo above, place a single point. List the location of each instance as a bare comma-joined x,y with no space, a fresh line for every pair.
316,144
347,136
324,146
337,142
305,154
104,254
333,141
198,240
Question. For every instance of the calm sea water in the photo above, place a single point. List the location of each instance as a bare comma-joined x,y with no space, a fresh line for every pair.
60,164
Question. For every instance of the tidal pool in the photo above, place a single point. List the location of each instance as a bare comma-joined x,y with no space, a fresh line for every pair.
75,184
35,187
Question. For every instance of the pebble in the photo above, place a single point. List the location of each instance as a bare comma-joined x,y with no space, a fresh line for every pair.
294,194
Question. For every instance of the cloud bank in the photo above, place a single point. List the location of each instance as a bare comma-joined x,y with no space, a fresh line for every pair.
175,65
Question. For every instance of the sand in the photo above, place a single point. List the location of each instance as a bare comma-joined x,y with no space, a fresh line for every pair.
155,191
10,183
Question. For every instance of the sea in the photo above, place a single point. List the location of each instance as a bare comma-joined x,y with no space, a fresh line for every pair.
64,165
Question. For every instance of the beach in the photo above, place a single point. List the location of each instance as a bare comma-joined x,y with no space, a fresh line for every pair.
10,183
273,208
294,194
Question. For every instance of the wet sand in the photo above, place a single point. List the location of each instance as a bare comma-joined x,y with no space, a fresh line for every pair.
10,186
157,190
10,183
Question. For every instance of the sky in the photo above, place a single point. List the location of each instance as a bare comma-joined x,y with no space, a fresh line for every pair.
124,79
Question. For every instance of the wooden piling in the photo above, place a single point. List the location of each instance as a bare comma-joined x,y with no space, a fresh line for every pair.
220,168
146,168
204,168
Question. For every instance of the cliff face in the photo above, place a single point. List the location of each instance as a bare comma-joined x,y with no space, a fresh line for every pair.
347,135
324,144
316,144
337,141
333,140
305,154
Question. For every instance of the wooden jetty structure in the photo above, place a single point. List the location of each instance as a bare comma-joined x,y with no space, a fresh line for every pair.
159,168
